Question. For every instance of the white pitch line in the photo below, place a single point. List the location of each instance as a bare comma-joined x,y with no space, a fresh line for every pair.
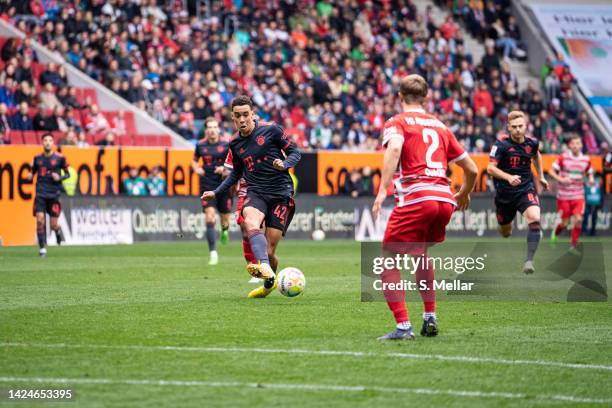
307,387
440,357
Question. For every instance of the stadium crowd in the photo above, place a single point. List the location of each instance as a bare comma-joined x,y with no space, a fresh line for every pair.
326,70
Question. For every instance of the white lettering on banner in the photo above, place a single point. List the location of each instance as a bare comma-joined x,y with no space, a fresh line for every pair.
160,221
194,223
95,226
477,222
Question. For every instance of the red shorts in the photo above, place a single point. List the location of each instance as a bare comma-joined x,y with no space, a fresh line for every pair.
239,217
567,208
421,222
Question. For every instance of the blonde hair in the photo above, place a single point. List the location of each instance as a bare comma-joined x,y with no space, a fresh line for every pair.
413,89
515,115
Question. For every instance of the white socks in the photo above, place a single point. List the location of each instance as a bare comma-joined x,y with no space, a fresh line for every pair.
404,325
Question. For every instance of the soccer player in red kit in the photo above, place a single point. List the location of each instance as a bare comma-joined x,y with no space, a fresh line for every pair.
242,193
419,149
569,171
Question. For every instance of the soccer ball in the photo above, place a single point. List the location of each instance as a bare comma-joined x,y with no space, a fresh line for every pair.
318,235
291,282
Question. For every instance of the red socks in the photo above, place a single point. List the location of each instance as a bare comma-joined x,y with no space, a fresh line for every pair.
248,253
559,229
396,299
575,235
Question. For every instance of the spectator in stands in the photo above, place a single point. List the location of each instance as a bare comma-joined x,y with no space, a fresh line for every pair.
118,123
82,140
5,120
7,92
94,121
24,93
45,120
69,139
21,119
351,184
48,97
134,185
67,97
366,187
108,140
156,184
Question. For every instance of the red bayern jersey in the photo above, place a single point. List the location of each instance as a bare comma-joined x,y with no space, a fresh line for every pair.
428,148
574,168
242,184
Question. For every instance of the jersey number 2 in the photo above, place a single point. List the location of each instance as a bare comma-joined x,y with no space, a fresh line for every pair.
431,136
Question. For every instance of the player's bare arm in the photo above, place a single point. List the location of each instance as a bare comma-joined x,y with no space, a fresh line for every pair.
197,168
470,172
496,172
557,177
392,157
540,171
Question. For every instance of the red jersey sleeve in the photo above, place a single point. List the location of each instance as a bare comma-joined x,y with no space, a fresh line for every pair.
558,164
392,129
229,160
454,151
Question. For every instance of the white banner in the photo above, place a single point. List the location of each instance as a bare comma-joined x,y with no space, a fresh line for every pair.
95,226
582,33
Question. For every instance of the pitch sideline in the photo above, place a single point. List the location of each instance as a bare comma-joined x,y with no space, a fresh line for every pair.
362,354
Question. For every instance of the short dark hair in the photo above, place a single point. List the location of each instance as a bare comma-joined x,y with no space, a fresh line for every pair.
242,100
572,136
45,135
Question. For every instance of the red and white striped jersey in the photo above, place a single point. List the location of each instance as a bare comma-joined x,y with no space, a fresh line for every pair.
428,148
575,168
242,184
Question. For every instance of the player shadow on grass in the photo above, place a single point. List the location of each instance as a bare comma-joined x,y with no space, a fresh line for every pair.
586,269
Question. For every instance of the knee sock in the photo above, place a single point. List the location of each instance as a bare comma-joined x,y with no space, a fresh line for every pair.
210,236
575,235
426,275
396,299
259,245
560,228
248,253
42,237
533,239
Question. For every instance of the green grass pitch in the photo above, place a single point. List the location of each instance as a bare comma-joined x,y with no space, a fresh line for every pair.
151,325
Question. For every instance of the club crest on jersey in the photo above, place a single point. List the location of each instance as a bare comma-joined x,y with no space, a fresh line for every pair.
53,162
260,140
242,150
220,149
528,149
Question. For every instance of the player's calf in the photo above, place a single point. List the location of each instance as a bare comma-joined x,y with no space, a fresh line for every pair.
505,230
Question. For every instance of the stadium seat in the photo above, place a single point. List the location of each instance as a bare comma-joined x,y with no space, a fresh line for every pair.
90,95
16,136
130,122
165,140
30,137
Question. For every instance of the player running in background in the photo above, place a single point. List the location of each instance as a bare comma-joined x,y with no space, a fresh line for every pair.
510,166
257,155
569,171
419,149
213,152
48,166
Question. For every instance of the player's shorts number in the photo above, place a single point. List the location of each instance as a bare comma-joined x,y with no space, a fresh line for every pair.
431,134
281,212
